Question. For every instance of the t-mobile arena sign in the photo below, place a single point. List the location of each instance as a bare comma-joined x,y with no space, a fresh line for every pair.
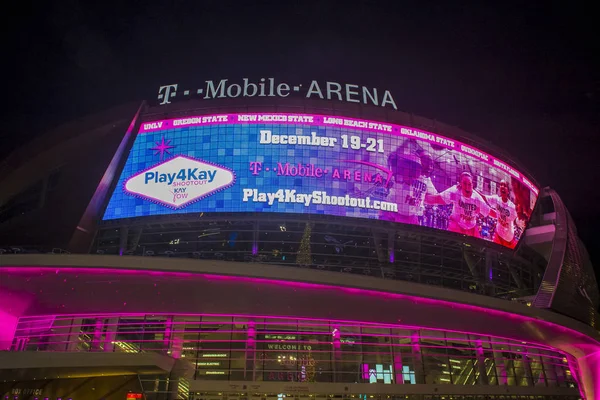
269,87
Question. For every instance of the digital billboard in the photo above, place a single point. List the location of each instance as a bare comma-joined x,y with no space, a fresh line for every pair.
301,163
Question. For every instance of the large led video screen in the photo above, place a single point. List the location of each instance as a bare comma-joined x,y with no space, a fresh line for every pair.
298,163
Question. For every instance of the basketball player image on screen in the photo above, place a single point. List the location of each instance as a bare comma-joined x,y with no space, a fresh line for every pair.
505,212
411,166
467,205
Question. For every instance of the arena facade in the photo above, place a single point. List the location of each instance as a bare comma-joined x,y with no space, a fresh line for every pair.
273,247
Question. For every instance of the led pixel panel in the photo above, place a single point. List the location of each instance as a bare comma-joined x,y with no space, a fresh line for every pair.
304,163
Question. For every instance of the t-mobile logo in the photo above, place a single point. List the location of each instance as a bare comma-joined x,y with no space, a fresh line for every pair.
166,92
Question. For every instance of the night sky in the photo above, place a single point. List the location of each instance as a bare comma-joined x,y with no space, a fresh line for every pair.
522,75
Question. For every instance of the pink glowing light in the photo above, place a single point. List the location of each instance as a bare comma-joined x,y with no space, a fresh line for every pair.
318,286
579,341
365,371
574,373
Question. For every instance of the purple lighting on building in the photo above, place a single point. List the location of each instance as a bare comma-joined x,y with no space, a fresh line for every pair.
572,341
173,330
577,336
365,371
336,340
251,339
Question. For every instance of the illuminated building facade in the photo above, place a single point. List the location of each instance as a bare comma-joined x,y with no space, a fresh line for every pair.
272,250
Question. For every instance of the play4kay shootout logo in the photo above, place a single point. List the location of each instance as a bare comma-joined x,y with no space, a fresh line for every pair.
179,181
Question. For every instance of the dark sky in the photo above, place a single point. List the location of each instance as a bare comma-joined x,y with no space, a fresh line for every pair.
524,75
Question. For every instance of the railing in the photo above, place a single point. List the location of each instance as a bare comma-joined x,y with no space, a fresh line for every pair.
223,348
411,271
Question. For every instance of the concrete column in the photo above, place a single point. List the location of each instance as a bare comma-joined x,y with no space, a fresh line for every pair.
417,357
174,336
168,335
179,378
336,347
501,371
249,366
483,378
399,376
97,339
110,334
589,374
336,340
